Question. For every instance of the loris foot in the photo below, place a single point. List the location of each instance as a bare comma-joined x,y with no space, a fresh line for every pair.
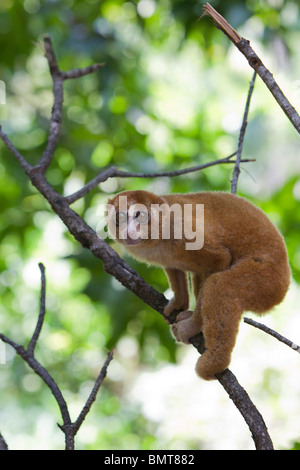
186,326
211,363
175,304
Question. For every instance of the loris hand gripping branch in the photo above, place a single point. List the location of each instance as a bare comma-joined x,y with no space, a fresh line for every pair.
236,257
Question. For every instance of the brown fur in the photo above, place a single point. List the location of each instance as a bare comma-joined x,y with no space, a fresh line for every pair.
242,266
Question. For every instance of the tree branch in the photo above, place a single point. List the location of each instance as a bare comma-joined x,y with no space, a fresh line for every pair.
45,376
69,428
55,121
236,171
114,172
241,400
93,394
77,73
273,333
42,313
255,62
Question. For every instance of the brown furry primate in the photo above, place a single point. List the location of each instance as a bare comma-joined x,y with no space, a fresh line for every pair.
236,257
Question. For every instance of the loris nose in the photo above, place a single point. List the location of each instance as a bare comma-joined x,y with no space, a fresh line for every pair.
133,235
133,227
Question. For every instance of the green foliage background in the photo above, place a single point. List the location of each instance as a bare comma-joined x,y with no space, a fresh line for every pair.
171,95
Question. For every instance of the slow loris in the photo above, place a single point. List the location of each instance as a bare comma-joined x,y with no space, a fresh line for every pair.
237,259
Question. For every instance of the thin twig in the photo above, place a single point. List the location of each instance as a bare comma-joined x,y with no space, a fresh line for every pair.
58,77
93,394
255,62
114,172
236,171
56,113
273,333
77,73
42,313
69,428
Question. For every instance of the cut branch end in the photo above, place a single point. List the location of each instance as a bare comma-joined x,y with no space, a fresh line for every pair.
221,23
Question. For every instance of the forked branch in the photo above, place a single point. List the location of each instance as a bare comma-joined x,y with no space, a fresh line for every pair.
236,171
68,427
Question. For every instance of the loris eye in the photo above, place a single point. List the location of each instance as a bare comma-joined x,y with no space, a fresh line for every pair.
121,218
142,216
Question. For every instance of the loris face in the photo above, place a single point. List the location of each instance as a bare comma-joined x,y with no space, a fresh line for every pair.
137,218
130,217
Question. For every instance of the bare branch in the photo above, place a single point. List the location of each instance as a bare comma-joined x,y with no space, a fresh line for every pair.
55,121
76,73
100,178
42,313
273,333
93,394
238,160
250,413
69,428
267,77
114,172
58,77
33,363
255,62
241,400
43,373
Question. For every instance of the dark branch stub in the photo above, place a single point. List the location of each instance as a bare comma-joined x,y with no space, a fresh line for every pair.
3,445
